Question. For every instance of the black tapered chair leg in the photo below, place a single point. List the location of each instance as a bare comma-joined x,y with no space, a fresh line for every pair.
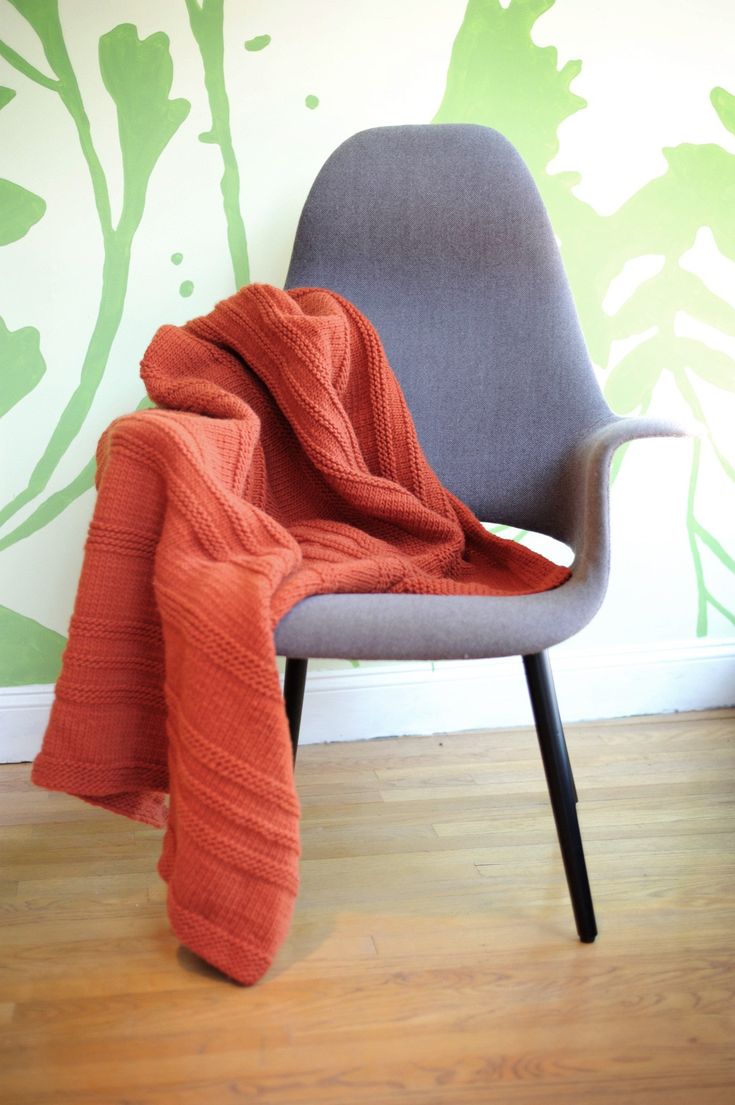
293,695
562,791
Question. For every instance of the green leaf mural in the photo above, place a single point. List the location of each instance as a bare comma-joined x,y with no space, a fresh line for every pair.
631,382
19,210
53,506
21,363
138,75
499,78
724,104
664,217
57,503
29,652
207,26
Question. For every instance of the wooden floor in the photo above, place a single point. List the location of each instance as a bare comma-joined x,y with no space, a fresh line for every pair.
432,958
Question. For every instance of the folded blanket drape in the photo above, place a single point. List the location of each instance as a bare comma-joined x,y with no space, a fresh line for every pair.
281,462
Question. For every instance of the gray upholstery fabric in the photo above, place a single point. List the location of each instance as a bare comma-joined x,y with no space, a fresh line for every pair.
436,627
438,234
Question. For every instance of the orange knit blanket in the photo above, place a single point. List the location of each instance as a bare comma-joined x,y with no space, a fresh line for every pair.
282,462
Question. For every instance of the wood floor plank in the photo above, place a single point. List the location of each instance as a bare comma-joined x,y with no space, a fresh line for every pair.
432,958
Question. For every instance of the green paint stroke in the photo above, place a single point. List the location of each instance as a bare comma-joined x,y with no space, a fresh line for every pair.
499,78
19,210
186,288
6,95
258,43
21,363
52,507
207,26
312,102
57,503
138,76
177,258
29,652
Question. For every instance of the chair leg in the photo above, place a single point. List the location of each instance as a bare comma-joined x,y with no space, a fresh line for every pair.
293,694
561,789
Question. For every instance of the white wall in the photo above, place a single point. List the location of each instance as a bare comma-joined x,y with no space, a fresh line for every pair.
648,70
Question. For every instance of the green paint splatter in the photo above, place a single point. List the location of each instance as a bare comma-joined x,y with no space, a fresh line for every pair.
258,43
6,95
19,210
312,102
177,258
29,652
138,76
206,23
22,364
499,78
186,288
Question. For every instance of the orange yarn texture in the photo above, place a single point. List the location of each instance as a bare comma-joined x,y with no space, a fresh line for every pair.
281,462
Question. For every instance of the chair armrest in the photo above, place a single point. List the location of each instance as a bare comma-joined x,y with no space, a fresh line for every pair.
589,490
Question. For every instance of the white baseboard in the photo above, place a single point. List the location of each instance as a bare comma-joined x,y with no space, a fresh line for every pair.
23,716
491,694
372,701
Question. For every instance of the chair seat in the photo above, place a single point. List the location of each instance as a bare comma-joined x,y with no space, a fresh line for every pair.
434,627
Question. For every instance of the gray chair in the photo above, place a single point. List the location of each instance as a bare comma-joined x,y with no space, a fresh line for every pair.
439,236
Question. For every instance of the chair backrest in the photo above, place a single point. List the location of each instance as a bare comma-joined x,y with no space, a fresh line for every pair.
438,234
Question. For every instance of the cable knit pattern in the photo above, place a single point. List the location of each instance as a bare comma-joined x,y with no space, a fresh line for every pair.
281,462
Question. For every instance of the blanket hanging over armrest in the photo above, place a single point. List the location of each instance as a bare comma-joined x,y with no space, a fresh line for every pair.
281,462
